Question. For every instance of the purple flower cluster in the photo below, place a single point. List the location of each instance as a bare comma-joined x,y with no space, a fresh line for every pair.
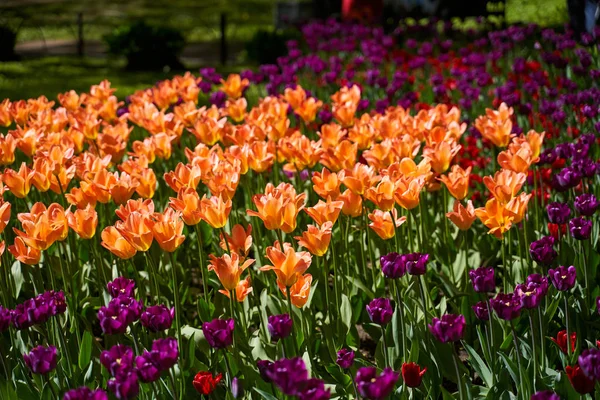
291,378
85,393
394,265
34,311
122,310
127,370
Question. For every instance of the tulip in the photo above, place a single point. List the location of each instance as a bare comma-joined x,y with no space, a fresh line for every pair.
558,213
542,250
580,228
316,240
314,389
589,361
19,183
263,366
85,393
146,368
481,311
412,374
462,217
561,341
240,240
289,375
483,279
586,204
392,265
41,360
581,383
219,332
382,223
563,278
540,280
119,360
449,328
168,229
375,387
121,286
23,253
215,210
288,265
83,221
345,358
5,318
137,230
416,263
545,395
324,212
205,383
157,318
228,270
531,294
507,306
167,351
380,311
299,291
457,182
280,326
124,387
116,243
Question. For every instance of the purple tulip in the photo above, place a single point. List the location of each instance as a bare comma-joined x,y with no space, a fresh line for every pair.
586,204
380,311
147,367
124,387
280,326
113,320
545,395
121,286
507,306
85,393
263,366
41,359
541,280
219,332
375,387
289,375
345,358
481,311
392,266
314,389
483,279
449,328
218,98
167,350
531,294
39,309
589,362
558,213
566,179
415,263
118,360
5,318
598,304
580,228
563,278
157,318
542,251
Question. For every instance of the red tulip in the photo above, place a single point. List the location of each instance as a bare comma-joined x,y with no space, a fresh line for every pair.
580,382
412,374
561,341
205,383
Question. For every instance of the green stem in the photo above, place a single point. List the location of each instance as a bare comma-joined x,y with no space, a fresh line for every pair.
533,346
385,348
568,330
542,346
516,343
177,305
457,370
423,300
201,258
401,315
289,303
491,344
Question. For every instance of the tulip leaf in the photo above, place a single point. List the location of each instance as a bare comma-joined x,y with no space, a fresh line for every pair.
512,368
17,274
479,365
356,282
346,313
265,395
85,352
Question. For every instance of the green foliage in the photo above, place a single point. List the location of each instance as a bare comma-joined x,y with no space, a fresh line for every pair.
267,45
145,46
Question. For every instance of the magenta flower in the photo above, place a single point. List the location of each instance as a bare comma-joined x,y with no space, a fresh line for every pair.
372,386
393,265
580,228
118,360
219,332
124,387
85,393
507,306
449,328
280,326
558,213
589,361
563,278
483,279
157,318
345,358
542,251
41,359
289,375
380,311
586,204
481,311
121,286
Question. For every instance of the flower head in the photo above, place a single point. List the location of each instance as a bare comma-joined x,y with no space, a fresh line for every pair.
124,387
542,251
581,383
119,360
412,374
563,278
481,311
380,311
85,393
580,228
589,361
545,395
219,332
121,286
345,358
483,279
392,265
280,326
289,375
157,318
449,328
561,340
507,306
462,217
375,387
205,383
558,213
41,359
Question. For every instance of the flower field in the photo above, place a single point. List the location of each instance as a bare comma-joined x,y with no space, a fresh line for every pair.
402,216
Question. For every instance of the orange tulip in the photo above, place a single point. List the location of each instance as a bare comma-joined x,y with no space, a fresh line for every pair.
457,181
494,217
535,141
228,269
25,254
517,207
122,190
505,184
147,183
234,86
462,217
145,207
188,204
327,184
278,207
240,240
167,230
382,195
4,215
496,126
236,110
137,230
80,198
441,155
114,242
215,210
19,183
408,191
43,226
83,221
324,212
8,144
295,97
183,176
42,173
288,265
260,158
360,178
353,203
343,156
308,110
331,135
316,240
383,224
518,157
242,290
299,291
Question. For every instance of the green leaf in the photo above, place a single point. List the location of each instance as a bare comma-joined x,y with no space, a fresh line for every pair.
265,395
85,352
18,277
361,286
479,365
346,313
511,367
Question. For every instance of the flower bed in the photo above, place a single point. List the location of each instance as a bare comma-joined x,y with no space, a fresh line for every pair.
374,217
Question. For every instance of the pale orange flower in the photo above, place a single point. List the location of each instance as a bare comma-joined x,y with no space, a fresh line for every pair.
5,116
234,86
142,206
215,210
80,198
360,178
505,184
23,253
288,265
324,212
462,217
496,126
42,173
295,97
236,109
535,141
457,181
188,204
184,175
316,240
353,203
260,158
83,221
114,242
441,155
299,291
19,183
5,209
147,183
382,195
327,184
517,207
123,188
240,240
308,109
228,269
408,192
242,290
278,207
8,144
382,223
167,230
340,157
331,134
494,217
517,158
137,230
